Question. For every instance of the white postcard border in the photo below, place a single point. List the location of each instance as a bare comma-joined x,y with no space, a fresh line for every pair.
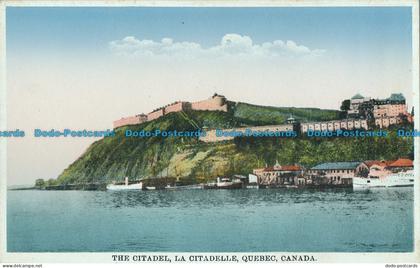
7,257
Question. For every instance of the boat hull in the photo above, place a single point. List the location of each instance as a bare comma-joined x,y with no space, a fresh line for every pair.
229,185
393,180
186,187
150,188
123,187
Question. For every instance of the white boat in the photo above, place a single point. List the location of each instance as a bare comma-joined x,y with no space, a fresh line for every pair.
150,188
170,187
401,179
185,187
226,183
124,186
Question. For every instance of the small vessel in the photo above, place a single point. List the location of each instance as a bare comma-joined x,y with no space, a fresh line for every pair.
401,179
126,185
210,185
170,187
226,183
190,187
150,188
179,186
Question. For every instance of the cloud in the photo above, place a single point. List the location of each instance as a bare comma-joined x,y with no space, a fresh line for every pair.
230,45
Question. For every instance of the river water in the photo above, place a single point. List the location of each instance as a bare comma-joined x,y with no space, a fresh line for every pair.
252,220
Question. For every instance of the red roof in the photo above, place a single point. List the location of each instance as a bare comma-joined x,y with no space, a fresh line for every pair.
402,162
382,163
290,168
284,168
269,169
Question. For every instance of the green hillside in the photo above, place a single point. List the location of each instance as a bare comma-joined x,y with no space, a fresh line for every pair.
278,115
113,158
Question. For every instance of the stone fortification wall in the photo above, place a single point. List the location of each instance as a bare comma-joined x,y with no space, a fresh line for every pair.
177,107
155,114
131,120
215,103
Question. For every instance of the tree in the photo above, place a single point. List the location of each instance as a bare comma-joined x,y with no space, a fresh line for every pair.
39,183
51,182
345,105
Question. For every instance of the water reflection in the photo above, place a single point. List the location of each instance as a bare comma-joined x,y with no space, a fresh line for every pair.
247,197
247,220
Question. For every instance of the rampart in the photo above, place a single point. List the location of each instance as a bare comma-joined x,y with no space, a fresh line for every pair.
131,120
215,103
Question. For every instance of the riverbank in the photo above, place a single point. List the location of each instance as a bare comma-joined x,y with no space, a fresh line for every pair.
22,188
102,187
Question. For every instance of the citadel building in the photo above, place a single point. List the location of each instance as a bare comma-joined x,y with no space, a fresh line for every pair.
363,113
214,103
382,112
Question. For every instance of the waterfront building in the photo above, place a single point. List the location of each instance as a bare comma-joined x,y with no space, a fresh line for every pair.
381,163
301,181
336,173
258,171
380,169
401,164
278,175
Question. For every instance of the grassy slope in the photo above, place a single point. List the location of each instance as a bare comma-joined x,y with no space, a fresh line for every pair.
278,115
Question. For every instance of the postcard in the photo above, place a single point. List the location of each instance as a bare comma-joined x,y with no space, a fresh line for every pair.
211,132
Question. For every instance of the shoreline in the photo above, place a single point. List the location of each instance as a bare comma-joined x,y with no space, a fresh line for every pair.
307,187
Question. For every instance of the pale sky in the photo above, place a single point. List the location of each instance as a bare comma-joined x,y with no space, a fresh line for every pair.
82,68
